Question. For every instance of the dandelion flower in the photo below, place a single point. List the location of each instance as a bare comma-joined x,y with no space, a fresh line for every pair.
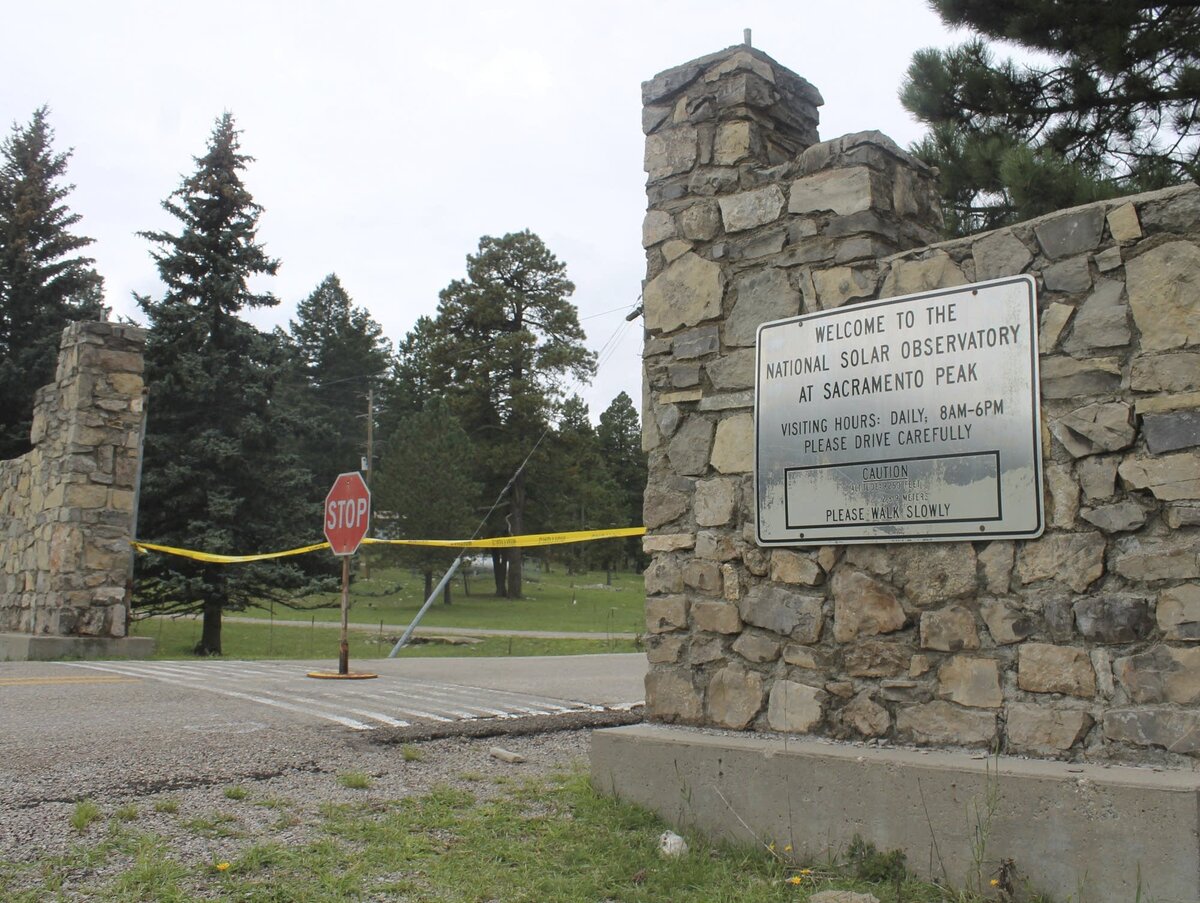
805,871
222,866
995,882
771,846
788,848
795,879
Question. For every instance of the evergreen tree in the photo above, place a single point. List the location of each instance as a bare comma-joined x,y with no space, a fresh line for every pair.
44,282
341,353
423,489
620,438
217,474
1117,109
502,340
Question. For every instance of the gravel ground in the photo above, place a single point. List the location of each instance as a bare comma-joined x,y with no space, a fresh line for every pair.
288,774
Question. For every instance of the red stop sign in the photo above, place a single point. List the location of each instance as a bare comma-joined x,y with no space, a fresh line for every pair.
347,513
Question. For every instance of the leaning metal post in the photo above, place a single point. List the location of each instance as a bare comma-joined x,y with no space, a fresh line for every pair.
403,641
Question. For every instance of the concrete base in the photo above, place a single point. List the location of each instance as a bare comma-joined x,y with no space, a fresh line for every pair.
24,647
1083,833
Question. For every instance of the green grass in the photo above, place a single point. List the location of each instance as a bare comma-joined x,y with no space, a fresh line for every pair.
410,752
355,780
551,841
83,815
556,601
236,793
296,640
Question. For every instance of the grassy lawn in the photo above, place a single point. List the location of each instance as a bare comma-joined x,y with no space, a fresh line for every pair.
292,640
554,601
546,840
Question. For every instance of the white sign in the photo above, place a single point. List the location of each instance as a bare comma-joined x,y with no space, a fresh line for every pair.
907,419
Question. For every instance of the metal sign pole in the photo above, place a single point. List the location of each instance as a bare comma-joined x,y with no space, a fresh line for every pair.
344,648
403,641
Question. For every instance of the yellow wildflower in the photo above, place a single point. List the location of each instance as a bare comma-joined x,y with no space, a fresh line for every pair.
805,871
795,879
995,882
788,848
222,866
771,846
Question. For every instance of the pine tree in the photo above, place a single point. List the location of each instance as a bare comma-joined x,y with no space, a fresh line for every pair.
217,474
341,353
1117,109
620,437
44,283
423,489
502,340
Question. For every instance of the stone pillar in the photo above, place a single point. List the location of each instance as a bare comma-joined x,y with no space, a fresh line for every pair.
67,506
750,219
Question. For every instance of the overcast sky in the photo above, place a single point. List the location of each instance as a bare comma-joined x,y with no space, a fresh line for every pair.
388,138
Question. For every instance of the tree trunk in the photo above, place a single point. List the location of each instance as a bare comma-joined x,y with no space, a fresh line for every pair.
210,631
516,526
446,592
428,585
466,583
499,572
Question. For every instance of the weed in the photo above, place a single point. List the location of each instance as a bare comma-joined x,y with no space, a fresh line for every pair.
85,813
869,864
411,753
473,776
127,812
236,793
219,824
168,806
354,780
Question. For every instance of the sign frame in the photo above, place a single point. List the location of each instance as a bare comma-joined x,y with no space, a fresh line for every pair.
817,472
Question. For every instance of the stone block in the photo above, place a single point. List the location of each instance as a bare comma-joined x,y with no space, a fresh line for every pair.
1171,432
910,276
842,191
1173,557
664,649
863,606
751,209
717,546
1045,668
1175,730
703,576
694,343
716,617
670,151
657,226
668,542
794,708
876,658
1102,321
1162,295
1123,223
666,613
1040,730
762,295
1161,675
733,142
866,717
1071,276
757,647
794,568
1074,559
1005,623
996,565
671,696
1075,233
733,447
1065,377
731,583
971,682
1120,517
998,254
1054,321
701,221
1063,492
945,724
1178,612
1113,618
1176,372
715,501
733,371
1098,477
790,614
949,630
686,293
663,576
837,285
734,696
689,448
934,572
661,506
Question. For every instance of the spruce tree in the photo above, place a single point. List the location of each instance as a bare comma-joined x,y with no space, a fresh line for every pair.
217,475
44,282
1116,108
620,437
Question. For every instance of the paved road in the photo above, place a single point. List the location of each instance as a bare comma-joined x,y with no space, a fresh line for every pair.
398,629
99,700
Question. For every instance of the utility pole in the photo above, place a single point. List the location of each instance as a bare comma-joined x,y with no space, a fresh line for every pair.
366,568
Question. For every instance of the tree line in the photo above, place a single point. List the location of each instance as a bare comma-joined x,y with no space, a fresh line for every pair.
475,429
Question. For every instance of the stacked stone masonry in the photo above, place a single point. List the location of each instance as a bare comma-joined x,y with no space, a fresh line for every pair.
66,507
1082,644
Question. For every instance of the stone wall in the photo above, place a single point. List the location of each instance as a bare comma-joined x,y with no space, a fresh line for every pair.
1082,644
66,507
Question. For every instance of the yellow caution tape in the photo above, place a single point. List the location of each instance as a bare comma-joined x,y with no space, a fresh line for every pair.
213,558
493,542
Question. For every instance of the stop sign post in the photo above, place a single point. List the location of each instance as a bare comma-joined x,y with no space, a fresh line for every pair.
347,518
